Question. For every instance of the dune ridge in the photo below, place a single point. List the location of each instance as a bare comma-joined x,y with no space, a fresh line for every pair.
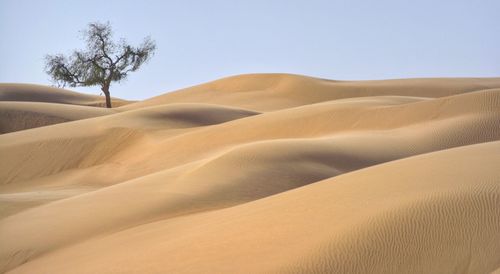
16,116
25,106
340,236
288,90
17,92
260,173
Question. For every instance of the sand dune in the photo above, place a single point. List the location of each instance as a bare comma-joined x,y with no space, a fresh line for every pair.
288,90
15,116
259,173
417,220
39,93
25,106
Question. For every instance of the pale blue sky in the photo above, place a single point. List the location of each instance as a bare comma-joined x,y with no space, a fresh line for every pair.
199,41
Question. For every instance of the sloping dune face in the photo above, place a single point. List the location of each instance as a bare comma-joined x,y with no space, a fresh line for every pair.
25,106
284,90
16,116
38,93
264,173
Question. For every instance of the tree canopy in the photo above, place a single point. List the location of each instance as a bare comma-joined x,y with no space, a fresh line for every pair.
102,62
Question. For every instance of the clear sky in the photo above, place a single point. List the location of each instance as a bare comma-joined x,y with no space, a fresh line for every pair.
203,40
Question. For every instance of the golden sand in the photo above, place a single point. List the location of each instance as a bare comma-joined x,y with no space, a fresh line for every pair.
261,173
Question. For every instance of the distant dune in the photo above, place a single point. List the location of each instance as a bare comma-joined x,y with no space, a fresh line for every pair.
25,106
39,93
260,173
267,92
15,116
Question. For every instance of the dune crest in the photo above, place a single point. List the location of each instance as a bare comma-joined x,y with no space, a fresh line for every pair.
288,90
15,92
255,173
25,106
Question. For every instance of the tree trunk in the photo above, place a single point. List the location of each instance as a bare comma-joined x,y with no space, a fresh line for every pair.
105,90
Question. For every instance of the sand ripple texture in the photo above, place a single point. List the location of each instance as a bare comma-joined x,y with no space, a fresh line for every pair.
258,173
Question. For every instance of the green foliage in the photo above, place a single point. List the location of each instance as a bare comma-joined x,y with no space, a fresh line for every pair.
102,62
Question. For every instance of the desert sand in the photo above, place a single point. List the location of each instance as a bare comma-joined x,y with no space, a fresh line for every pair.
258,173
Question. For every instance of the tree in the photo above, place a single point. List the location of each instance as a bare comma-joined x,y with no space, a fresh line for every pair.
102,63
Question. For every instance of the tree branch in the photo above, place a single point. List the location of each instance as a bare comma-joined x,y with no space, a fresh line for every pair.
73,75
103,62
103,47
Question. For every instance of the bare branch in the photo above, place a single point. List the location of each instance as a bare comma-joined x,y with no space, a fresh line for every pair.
95,65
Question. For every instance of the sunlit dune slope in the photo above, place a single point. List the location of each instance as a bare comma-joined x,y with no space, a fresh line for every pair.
94,141
416,220
264,173
266,92
449,118
242,91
